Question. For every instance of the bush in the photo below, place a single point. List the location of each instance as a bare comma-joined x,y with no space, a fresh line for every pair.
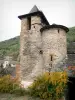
19,91
49,86
11,85
7,84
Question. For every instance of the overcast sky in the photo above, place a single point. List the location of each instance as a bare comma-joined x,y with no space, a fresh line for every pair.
56,11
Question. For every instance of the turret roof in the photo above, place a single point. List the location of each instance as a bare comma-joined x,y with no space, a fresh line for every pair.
34,9
35,12
54,26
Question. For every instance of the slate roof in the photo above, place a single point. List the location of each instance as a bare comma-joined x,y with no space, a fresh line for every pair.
10,62
34,9
35,12
54,26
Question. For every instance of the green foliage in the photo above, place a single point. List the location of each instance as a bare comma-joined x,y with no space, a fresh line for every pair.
7,85
10,48
49,86
11,85
19,91
71,35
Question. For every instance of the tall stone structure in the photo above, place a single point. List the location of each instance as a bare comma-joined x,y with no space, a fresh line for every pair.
42,46
54,47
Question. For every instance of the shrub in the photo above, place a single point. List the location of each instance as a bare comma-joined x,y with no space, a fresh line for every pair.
7,84
49,86
19,91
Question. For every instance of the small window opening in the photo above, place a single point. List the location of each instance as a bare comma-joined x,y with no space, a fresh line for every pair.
51,57
29,23
41,52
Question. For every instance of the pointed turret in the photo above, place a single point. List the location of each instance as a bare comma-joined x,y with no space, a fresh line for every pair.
35,12
34,9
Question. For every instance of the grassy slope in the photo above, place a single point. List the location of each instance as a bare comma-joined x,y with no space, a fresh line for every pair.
11,46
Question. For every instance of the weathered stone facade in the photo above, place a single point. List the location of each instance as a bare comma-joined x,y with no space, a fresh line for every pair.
30,41
42,48
54,44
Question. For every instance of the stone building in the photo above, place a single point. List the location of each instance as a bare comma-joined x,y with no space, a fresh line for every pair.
42,46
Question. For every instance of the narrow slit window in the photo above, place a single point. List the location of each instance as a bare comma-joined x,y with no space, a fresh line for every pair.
29,23
51,57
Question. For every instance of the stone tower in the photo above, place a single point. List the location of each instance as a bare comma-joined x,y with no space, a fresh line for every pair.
31,44
54,47
42,46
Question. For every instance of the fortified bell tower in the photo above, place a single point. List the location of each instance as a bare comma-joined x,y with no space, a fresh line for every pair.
31,61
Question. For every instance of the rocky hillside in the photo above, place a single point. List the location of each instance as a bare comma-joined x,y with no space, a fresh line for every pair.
11,47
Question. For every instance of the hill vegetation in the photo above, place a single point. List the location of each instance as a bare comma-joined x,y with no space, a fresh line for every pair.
11,47
71,35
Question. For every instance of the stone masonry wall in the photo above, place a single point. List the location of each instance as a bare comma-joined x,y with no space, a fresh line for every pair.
30,46
36,49
54,43
23,35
